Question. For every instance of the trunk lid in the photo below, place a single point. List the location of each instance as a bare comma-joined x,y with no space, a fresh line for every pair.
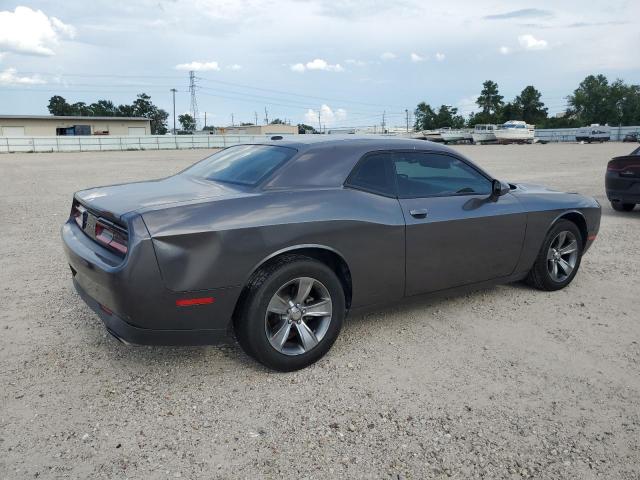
627,166
114,201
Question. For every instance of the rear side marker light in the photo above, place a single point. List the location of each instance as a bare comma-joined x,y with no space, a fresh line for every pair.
591,237
106,310
189,302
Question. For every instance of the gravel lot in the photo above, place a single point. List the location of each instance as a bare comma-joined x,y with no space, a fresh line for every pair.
504,383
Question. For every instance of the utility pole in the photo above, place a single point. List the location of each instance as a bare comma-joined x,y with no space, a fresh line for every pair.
232,121
194,101
205,120
406,112
266,116
173,91
256,115
383,122
319,124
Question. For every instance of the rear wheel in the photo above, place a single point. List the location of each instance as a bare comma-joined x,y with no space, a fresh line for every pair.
292,314
559,258
622,207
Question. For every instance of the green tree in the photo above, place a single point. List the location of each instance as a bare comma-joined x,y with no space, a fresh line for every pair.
103,108
447,116
82,109
59,106
625,103
141,107
304,128
425,117
590,102
187,123
126,111
510,111
490,102
277,121
532,109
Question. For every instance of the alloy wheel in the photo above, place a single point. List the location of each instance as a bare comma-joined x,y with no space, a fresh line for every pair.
298,316
562,256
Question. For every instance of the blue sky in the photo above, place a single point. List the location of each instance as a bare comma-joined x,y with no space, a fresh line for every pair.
350,60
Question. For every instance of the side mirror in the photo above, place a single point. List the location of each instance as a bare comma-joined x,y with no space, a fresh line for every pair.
498,188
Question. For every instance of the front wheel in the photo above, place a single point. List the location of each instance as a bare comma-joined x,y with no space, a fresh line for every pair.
622,207
292,313
559,258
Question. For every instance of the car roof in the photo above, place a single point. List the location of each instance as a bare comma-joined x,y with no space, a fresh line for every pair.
374,142
327,160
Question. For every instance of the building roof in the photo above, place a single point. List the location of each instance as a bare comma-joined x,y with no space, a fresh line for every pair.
67,117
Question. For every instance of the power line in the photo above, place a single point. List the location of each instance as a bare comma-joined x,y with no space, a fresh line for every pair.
211,80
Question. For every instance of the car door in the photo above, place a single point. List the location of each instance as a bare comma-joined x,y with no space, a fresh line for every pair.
376,255
457,233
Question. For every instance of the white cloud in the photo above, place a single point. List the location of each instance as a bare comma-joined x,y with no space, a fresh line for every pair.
31,32
235,67
10,77
504,50
316,64
319,64
328,117
529,42
415,58
440,56
388,56
198,66
357,63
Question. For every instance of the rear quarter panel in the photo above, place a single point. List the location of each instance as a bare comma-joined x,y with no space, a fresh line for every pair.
219,244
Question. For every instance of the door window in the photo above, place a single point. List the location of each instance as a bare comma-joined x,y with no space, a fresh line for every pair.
431,174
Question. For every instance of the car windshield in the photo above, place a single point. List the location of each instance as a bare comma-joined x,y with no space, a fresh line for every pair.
242,164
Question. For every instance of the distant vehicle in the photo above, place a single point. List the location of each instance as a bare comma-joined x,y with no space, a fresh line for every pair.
484,133
631,137
435,135
622,181
277,242
515,131
454,136
594,133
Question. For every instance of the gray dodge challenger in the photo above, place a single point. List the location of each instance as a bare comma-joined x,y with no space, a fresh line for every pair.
276,242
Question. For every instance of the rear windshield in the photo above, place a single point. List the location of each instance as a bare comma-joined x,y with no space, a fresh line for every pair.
242,164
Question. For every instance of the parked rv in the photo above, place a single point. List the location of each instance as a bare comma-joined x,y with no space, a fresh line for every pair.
594,133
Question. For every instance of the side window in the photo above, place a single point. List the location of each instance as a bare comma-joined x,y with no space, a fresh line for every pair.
374,174
432,174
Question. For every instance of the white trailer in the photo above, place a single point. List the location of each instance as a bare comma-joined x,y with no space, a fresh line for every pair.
594,133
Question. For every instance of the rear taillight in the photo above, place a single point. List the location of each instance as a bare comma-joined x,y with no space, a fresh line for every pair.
77,213
111,237
625,165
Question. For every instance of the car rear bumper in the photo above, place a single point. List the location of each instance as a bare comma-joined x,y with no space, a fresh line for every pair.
621,189
623,196
130,334
130,297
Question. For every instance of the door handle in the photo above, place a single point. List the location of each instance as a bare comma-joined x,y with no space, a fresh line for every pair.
419,212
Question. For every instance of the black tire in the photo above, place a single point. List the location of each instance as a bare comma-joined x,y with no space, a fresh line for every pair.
539,276
622,207
251,316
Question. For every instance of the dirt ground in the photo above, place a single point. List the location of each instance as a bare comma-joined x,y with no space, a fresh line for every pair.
507,382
